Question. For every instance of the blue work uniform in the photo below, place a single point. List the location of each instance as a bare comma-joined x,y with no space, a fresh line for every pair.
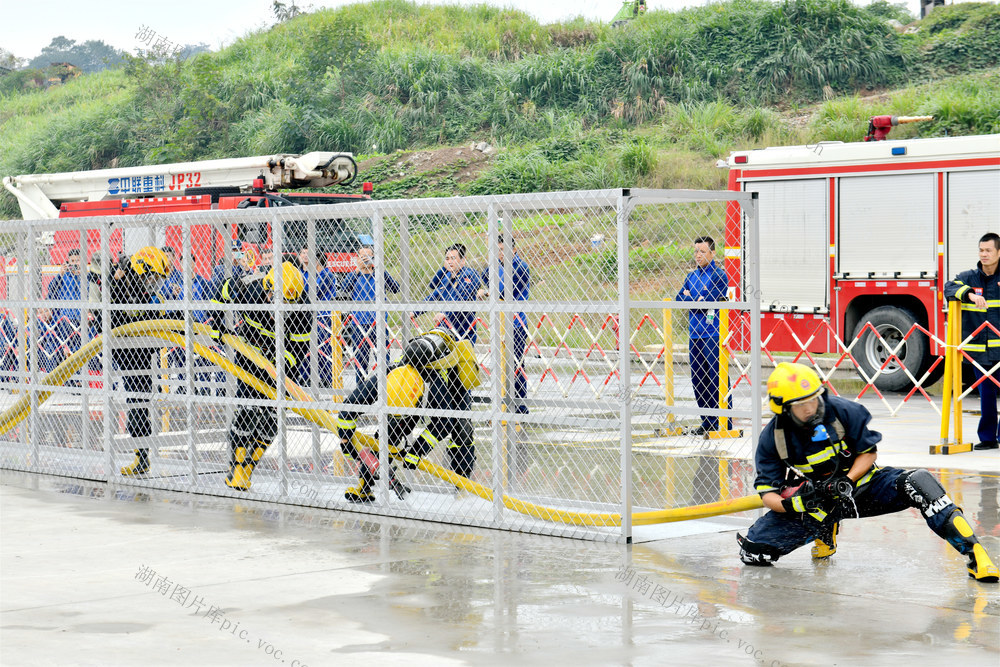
984,347
66,287
707,283
463,286
520,286
324,288
200,291
361,324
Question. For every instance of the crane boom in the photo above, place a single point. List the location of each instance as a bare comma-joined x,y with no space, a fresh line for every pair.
40,195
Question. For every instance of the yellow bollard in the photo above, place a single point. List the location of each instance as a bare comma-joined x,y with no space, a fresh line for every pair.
668,377
948,379
952,386
505,426
723,478
724,430
336,357
956,369
164,388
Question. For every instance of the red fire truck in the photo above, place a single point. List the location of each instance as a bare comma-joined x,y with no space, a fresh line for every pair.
852,233
225,184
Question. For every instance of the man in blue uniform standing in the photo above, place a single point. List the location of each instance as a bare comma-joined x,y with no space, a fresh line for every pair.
979,292
321,285
455,282
816,467
706,283
519,291
359,285
66,287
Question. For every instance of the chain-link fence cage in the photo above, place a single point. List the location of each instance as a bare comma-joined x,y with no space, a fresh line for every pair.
604,380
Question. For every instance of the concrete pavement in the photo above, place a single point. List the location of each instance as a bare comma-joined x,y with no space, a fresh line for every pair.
94,574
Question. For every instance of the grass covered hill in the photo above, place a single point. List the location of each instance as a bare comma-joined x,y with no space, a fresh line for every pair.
573,105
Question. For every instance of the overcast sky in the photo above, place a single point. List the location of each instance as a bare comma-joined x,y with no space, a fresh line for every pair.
27,27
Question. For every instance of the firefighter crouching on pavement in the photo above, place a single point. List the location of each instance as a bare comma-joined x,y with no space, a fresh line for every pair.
137,280
254,427
436,372
816,466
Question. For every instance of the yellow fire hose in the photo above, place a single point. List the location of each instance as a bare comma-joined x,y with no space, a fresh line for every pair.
168,330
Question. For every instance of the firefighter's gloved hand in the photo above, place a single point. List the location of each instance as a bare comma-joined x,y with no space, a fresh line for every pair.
409,460
801,499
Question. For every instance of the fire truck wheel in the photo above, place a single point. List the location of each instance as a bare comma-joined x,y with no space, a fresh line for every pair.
871,353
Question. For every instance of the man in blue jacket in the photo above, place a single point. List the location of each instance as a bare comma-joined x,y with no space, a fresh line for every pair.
455,282
520,285
66,287
321,285
360,286
706,283
979,292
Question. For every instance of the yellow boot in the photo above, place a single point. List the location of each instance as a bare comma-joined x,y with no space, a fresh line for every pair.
826,546
239,477
981,568
362,492
960,535
241,468
139,466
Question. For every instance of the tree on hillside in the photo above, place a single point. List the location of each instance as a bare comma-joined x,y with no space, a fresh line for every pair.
9,61
283,12
896,11
89,56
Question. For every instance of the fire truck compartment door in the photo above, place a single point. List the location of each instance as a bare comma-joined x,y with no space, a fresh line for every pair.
973,210
794,262
887,226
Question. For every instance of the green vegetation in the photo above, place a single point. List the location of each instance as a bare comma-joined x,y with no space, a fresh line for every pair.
574,105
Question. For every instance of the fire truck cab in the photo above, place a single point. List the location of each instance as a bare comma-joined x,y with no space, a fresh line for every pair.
853,233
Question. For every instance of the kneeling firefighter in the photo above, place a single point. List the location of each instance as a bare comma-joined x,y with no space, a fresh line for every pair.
137,280
254,427
436,372
816,466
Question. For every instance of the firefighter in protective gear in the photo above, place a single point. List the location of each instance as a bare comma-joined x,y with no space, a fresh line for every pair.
816,466
978,290
436,372
254,427
137,280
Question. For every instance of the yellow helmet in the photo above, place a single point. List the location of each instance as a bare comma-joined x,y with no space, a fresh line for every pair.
789,383
404,387
151,260
292,282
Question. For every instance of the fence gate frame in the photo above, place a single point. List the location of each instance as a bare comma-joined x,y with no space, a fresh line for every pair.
622,203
